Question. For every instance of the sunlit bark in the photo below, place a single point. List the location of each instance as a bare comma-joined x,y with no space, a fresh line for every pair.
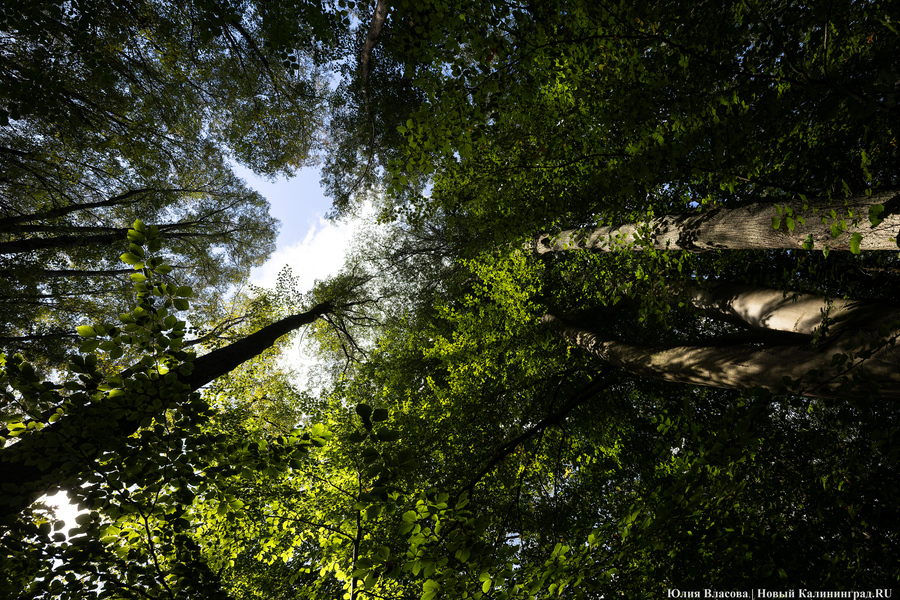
765,309
747,227
747,366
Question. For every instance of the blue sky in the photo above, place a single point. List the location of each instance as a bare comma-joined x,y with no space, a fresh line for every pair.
312,246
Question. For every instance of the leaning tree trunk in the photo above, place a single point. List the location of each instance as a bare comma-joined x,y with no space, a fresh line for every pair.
765,309
747,227
870,364
62,452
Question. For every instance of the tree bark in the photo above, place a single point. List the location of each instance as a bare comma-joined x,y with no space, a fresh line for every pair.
375,27
54,456
9,223
764,309
224,360
44,273
106,239
811,370
744,228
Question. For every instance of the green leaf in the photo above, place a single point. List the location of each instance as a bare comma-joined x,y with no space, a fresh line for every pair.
364,411
130,259
180,304
387,435
184,291
855,240
85,331
875,214
90,345
776,223
379,414
790,223
808,242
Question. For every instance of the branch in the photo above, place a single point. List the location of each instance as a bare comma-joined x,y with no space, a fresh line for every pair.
8,222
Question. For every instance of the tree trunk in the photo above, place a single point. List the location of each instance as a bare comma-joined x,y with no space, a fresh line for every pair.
744,228
56,455
9,223
375,27
810,370
106,239
764,309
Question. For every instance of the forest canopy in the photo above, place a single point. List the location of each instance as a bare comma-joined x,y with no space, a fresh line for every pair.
624,323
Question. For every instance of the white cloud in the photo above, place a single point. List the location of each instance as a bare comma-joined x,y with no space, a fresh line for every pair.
319,255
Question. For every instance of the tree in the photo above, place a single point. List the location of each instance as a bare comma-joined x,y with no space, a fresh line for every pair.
113,113
474,451
100,427
819,373
558,476
524,142
807,225
218,230
94,419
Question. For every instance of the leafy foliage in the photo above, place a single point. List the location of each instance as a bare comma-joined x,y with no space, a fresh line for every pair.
114,112
461,449
136,446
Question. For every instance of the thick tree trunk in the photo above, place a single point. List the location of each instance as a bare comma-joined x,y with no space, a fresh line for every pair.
742,366
56,456
764,309
745,228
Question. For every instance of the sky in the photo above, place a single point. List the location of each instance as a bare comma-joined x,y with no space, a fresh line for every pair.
311,245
